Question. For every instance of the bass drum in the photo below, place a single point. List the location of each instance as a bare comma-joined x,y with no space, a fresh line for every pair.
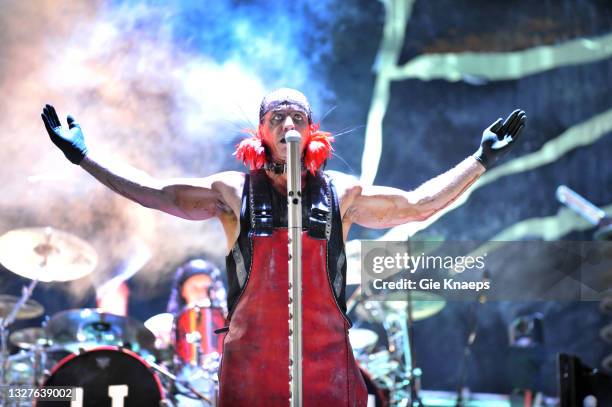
106,376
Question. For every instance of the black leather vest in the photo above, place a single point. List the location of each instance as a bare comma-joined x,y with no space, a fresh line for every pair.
264,209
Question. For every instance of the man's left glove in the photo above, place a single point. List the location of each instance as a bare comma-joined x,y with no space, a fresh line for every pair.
498,138
71,141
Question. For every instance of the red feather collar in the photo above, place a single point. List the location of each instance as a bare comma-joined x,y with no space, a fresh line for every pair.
252,152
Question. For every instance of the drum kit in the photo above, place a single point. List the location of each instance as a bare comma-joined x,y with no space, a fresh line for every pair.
389,367
108,359
189,352
166,360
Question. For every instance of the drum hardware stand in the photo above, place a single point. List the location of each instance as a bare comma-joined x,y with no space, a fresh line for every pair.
44,250
412,371
3,359
164,372
467,350
294,224
39,363
26,293
408,376
197,337
210,341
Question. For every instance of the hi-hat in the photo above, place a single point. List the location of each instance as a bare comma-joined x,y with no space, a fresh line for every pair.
31,308
28,338
47,254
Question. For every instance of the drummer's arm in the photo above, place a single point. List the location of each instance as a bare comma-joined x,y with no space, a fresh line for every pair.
382,207
193,199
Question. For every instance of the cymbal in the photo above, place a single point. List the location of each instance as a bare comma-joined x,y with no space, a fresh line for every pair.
46,253
28,338
31,308
424,305
84,328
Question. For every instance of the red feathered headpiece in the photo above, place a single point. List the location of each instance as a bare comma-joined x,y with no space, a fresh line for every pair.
252,152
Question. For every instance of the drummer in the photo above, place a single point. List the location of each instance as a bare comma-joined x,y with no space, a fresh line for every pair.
196,282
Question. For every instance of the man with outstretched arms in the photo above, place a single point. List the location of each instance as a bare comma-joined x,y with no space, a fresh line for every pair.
253,210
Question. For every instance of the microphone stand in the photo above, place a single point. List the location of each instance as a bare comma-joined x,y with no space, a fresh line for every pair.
164,372
294,223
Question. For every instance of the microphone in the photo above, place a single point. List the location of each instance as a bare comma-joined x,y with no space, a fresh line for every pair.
293,136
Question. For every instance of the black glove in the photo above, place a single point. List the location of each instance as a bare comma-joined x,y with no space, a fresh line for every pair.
498,138
71,141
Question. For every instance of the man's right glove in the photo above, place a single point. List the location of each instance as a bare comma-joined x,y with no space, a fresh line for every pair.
71,141
498,138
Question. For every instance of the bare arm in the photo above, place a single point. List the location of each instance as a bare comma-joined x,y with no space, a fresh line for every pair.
383,207
194,199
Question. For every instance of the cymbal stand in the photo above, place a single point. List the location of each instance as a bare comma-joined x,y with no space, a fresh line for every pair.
26,293
172,377
414,373
3,360
467,350
401,345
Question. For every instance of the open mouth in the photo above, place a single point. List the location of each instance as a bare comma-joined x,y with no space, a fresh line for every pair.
283,141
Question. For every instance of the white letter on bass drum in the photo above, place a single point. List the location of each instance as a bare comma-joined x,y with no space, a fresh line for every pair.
78,397
117,393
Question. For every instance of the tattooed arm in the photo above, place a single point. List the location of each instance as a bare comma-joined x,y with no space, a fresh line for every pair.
196,199
382,207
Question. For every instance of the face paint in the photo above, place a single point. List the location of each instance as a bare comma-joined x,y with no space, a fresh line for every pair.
280,111
276,123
